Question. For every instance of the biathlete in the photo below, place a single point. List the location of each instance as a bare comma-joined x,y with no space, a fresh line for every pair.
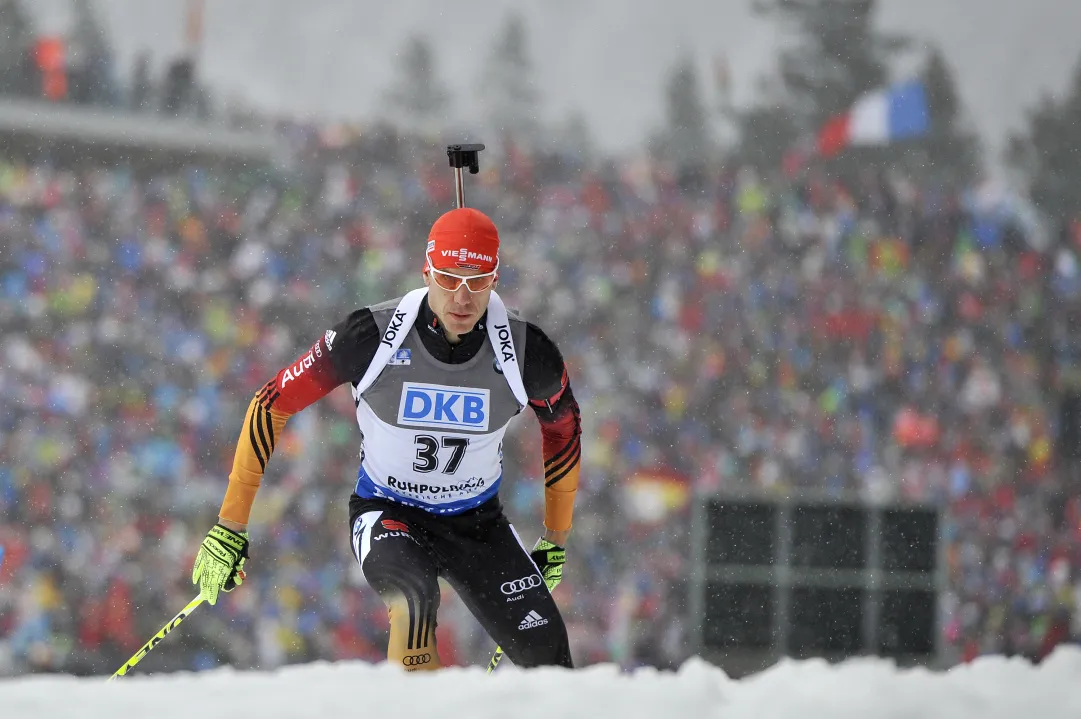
436,377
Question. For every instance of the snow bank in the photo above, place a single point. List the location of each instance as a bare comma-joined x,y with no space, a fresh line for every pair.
857,689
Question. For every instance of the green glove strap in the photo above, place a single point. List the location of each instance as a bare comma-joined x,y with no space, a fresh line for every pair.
219,565
549,559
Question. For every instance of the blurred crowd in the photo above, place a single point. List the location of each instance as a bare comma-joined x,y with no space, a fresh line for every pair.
722,331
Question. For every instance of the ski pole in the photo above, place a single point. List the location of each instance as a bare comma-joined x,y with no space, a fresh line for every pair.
496,658
173,624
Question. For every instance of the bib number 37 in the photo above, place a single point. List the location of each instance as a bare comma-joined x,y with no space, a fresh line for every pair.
428,453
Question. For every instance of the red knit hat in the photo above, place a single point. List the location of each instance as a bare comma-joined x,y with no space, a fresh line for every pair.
464,239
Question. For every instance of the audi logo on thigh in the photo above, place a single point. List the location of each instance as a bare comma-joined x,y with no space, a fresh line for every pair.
416,661
520,585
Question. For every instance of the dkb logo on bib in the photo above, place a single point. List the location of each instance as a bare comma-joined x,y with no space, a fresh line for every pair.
437,405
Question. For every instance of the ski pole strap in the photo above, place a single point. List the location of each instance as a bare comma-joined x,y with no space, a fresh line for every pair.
173,624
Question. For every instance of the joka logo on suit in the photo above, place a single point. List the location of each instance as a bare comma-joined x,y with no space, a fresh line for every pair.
443,407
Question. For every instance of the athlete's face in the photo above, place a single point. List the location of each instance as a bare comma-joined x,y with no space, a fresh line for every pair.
458,310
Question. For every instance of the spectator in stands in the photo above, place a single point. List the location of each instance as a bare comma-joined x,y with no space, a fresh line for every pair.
878,339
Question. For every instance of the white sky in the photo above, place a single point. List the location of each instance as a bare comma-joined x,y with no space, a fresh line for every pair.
607,58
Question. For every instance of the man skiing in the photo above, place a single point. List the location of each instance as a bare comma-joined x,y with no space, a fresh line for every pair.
436,377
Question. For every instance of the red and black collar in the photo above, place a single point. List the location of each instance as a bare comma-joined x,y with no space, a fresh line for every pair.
435,339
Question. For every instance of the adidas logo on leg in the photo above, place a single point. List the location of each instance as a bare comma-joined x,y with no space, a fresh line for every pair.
532,620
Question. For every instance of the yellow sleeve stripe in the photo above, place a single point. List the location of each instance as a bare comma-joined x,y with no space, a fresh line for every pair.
559,501
262,426
564,462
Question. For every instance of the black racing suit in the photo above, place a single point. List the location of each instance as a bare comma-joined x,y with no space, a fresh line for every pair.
477,551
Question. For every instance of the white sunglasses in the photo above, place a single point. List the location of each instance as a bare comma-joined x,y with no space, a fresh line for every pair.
451,282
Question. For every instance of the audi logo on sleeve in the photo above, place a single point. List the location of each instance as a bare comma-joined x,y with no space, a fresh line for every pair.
417,660
520,585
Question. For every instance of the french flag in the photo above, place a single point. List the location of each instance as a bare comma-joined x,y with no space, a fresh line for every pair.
878,118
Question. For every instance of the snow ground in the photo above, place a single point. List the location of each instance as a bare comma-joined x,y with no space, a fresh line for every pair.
989,688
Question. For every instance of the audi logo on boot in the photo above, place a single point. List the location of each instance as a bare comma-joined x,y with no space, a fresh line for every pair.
520,585
417,660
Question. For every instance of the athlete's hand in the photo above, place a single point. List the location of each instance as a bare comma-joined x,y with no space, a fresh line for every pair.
219,565
549,559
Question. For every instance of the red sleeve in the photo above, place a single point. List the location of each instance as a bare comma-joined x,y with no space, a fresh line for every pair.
341,355
306,381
